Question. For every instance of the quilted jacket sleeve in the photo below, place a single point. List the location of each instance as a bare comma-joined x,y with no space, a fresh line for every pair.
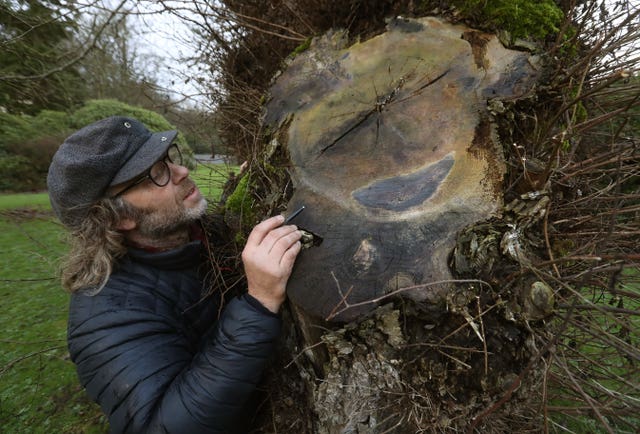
149,378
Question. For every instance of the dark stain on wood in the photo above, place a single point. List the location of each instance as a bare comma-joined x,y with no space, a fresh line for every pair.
403,192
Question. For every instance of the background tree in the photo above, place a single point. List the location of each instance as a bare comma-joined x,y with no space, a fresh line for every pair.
58,54
56,57
112,67
115,68
33,35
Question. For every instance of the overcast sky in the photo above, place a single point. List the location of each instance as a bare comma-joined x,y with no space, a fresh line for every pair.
166,37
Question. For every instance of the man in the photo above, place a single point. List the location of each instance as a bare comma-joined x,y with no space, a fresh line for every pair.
147,348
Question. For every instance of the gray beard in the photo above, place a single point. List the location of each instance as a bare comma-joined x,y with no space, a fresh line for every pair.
154,224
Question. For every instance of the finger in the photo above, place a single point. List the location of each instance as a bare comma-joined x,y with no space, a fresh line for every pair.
261,230
275,235
284,242
289,257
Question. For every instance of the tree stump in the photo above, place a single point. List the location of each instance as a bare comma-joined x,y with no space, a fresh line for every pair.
394,152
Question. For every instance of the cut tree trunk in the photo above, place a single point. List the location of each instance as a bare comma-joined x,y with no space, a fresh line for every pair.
400,321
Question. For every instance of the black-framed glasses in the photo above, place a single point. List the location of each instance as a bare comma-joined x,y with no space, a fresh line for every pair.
160,172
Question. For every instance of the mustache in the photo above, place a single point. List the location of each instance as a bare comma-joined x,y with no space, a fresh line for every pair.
186,187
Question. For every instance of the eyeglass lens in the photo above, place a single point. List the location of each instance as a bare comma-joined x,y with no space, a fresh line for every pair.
174,155
160,173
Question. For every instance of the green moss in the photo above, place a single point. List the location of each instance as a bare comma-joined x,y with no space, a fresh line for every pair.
239,202
521,18
240,239
302,47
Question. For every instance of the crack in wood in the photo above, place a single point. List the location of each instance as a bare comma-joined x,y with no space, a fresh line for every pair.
380,105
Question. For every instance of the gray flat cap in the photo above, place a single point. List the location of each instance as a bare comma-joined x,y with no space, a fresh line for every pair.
103,154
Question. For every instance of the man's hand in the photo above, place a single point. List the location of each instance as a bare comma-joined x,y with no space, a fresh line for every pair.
268,259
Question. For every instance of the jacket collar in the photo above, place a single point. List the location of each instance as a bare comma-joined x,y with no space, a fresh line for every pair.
185,256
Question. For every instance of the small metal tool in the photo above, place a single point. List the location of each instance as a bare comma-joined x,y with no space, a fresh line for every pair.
293,215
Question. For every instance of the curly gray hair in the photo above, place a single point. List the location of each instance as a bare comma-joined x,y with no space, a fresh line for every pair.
95,246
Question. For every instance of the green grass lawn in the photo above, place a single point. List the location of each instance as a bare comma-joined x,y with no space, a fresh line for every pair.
211,178
39,390
22,200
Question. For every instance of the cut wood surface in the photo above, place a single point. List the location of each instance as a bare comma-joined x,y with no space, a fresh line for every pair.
394,152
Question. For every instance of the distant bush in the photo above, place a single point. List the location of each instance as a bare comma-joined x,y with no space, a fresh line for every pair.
97,109
18,128
26,147
12,167
14,129
50,122
27,143
25,165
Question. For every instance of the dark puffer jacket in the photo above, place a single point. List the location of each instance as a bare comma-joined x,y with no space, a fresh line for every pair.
155,359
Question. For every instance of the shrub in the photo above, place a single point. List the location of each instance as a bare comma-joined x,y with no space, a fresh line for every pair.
26,147
49,122
25,165
16,129
19,128
95,110
28,143
13,167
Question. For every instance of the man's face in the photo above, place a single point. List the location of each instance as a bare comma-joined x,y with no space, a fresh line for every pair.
162,211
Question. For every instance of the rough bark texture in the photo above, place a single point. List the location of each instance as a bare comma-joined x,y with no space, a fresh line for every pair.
394,152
